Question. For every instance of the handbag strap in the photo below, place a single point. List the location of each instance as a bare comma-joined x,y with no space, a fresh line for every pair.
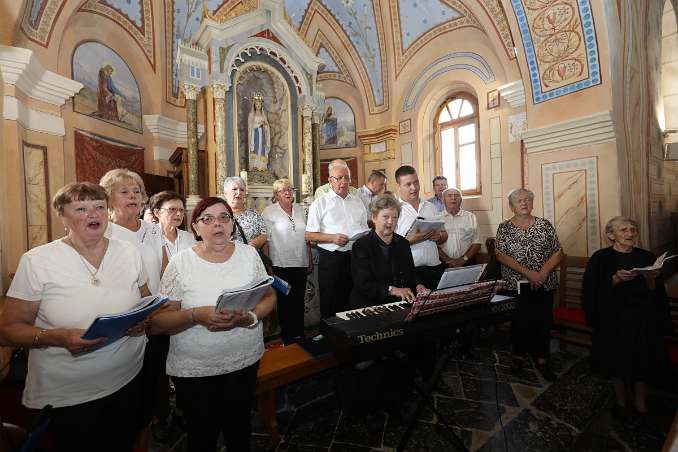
242,233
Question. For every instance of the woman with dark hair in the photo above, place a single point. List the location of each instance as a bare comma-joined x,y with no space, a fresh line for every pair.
169,208
214,356
628,313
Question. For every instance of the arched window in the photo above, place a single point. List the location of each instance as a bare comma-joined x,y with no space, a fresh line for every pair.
457,143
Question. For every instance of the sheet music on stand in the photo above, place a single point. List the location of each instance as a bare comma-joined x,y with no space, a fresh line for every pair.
441,300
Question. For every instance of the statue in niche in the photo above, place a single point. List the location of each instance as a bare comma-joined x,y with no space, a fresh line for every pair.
259,134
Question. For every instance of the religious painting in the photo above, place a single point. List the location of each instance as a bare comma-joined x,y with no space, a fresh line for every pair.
492,99
405,126
110,90
338,127
263,124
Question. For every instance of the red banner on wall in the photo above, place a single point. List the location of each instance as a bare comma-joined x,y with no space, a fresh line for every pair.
95,155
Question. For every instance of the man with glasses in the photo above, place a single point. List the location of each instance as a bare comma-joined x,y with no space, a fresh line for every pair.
332,219
374,186
325,189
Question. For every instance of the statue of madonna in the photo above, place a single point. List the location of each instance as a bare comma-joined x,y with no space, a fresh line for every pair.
259,134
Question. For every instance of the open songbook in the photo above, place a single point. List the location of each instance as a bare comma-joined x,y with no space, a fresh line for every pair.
423,225
243,298
658,264
115,326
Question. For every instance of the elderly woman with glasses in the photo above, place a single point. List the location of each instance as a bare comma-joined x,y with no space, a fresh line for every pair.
628,313
58,290
291,256
168,208
250,228
213,357
529,250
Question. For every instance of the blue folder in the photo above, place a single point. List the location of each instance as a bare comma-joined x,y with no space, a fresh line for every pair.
115,326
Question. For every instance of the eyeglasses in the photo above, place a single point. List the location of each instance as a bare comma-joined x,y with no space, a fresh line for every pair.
341,178
173,210
210,219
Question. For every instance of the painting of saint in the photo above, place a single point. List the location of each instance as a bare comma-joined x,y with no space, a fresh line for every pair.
110,91
338,129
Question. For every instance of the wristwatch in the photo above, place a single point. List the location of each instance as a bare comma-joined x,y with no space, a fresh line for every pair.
464,258
255,321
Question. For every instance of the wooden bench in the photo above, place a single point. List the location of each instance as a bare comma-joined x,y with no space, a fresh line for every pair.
280,367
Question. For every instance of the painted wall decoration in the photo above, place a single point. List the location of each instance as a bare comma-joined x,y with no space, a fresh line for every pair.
39,18
560,46
358,21
134,16
182,19
338,127
36,184
419,16
330,64
271,144
496,14
110,90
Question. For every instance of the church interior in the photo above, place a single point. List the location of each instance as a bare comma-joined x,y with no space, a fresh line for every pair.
575,100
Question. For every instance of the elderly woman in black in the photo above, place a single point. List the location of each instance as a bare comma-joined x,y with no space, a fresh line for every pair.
528,249
628,313
381,262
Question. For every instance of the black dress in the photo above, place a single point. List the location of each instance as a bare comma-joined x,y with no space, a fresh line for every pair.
628,320
376,265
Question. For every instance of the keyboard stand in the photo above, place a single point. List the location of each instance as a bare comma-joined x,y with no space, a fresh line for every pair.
424,398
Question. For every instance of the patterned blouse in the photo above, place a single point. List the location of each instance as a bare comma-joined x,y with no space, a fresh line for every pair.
252,224
530,247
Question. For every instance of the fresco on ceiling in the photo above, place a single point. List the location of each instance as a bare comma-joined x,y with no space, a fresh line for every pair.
330,64
356,18
185,22
560,46
295,10
110,90
338,127
419,16
38,19
35,12
130,8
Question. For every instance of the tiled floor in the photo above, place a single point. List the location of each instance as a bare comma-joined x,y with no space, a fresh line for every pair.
572,414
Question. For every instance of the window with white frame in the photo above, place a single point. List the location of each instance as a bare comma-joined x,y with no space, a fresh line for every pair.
457,143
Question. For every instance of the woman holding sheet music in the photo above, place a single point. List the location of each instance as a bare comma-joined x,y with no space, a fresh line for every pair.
529,250
628,313
291,256
58,290
213,357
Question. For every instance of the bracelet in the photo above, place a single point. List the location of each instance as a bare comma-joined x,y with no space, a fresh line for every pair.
255,321
36,338
193,322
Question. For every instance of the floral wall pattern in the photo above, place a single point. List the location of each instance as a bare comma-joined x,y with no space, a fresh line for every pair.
560,46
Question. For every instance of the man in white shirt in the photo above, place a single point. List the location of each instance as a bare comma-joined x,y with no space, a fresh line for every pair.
332,219
326,188
463,239
439,186
423,244
374,186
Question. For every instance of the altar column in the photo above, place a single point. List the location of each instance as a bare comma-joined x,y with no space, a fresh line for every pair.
191,92
307,145
317,120
219,93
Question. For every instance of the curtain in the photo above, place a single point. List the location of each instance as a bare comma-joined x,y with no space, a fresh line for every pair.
95,155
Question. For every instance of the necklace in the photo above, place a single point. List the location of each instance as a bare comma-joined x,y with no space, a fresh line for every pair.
93,280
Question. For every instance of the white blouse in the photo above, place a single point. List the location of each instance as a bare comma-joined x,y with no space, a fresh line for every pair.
195,282
287,245
184,241
149,239
57,278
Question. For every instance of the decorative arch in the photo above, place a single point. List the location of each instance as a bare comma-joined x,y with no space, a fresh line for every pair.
237,55
497,15
343,75
39,19
142,32
403,55
466,61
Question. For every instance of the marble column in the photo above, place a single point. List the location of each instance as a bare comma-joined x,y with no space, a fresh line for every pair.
191,92
317,119
219,92
307,144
